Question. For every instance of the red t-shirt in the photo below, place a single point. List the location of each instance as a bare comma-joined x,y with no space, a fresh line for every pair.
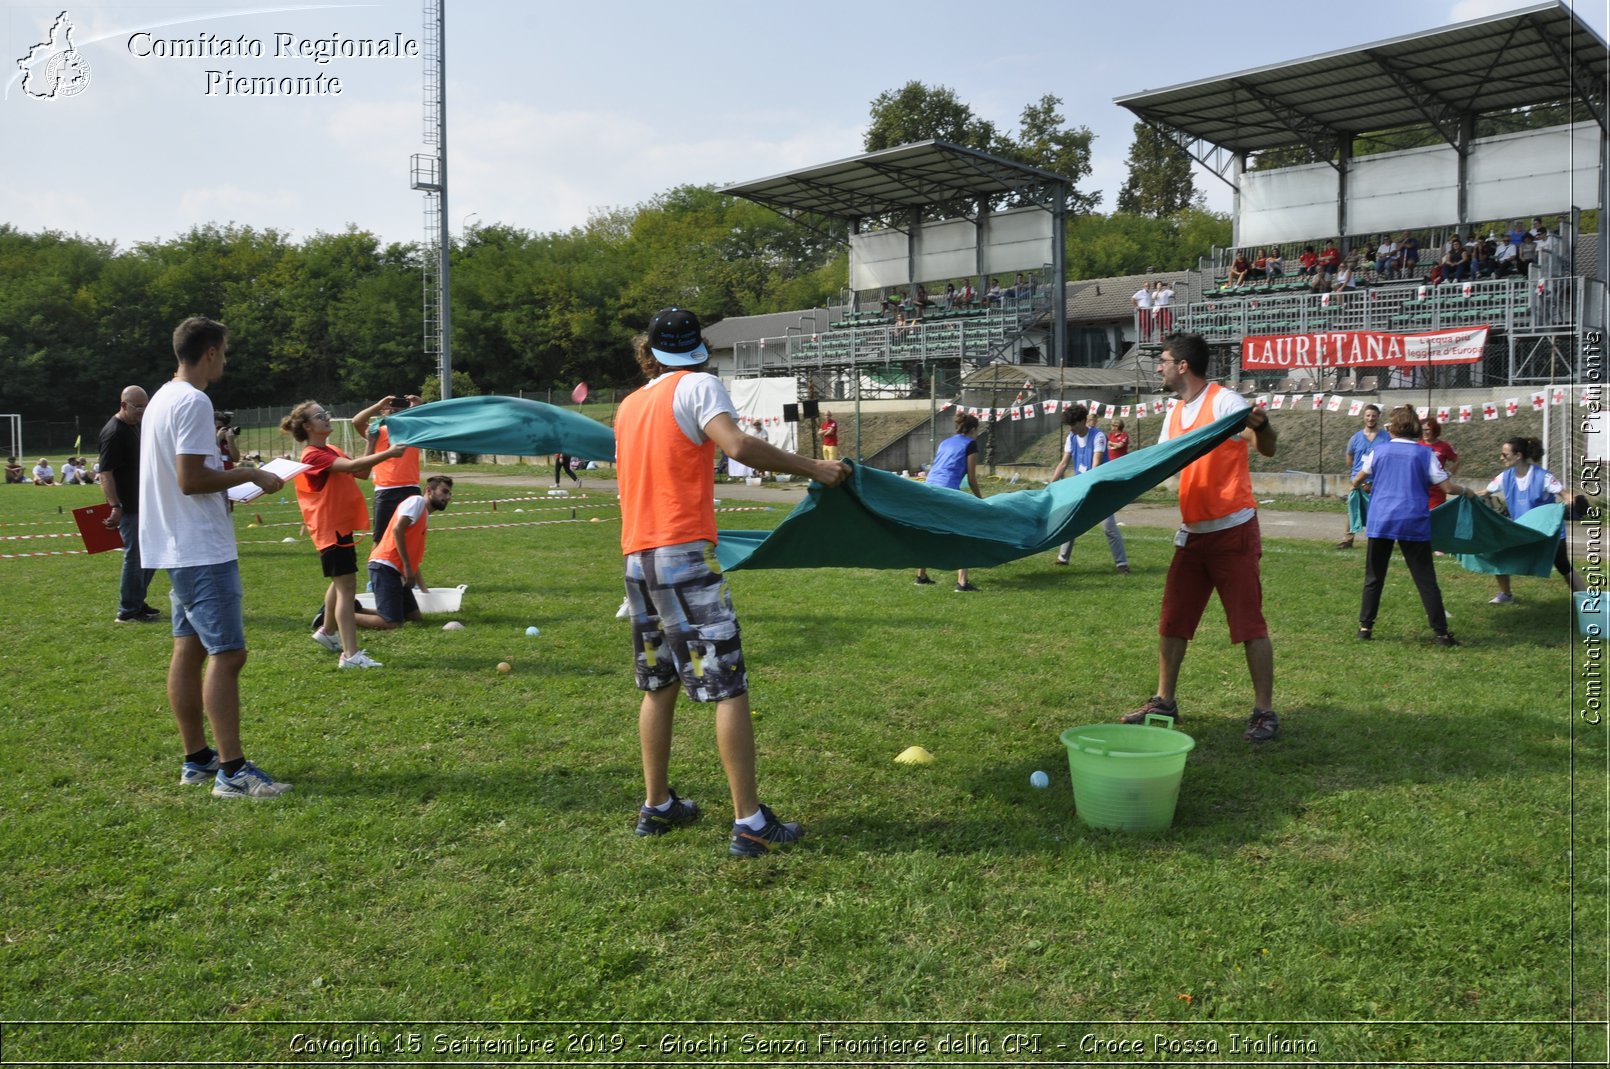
830,432
1330,257
1445,456
1307,259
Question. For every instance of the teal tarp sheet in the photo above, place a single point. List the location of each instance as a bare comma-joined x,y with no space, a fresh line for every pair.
876,519
510,425
1496,545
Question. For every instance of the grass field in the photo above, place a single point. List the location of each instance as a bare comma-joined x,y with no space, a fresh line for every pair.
1415,872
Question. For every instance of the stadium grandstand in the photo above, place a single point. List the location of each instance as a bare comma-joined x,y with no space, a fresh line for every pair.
1516,139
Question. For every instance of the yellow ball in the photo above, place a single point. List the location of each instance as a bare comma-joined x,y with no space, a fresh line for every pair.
505,666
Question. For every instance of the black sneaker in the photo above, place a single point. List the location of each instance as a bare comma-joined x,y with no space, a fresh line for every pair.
1155,705
1447,640
657,822
1262,726
318,619
749,843
150,612
923,580
135,617
1365,634
966,588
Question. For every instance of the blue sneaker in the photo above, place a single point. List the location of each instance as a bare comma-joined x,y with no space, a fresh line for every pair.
194,775
681,813
249,782
749,843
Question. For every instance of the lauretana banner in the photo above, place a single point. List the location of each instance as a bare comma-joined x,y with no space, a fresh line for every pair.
1362,348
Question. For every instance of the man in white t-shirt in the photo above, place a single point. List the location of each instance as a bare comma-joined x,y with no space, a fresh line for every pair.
1142,300
185,529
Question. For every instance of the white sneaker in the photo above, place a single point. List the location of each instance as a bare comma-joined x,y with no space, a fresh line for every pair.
625,610
1501,599
327,640
249,782
361,659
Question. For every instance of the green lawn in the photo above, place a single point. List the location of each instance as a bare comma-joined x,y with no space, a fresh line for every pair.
1414,872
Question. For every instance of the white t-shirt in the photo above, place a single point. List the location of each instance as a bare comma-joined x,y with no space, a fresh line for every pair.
1098,447
700,398
1142,298
179,530
1225,402
1524,482
44,471
1160,298
413,508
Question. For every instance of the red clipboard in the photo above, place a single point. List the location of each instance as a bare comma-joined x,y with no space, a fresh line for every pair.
98,538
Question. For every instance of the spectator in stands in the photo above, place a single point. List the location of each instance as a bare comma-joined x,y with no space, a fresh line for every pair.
1330,258
1275,267
14,471
1162,314
1386,256
1408,255
44,474
1259,271
995,294
922,300
1517,231
1504,260
1538,229
1142,300
1526,254
893,300
1455,263
1549,251
950,295
967,294
1240,269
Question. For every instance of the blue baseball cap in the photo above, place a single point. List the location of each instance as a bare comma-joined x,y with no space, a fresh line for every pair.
676,339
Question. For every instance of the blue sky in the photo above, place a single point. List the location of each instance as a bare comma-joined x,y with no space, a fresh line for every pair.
557,111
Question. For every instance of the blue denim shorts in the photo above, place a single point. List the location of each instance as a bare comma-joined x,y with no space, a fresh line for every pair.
394,602
206,602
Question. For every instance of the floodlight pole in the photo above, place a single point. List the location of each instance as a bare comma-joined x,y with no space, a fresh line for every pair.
444,246
1059,275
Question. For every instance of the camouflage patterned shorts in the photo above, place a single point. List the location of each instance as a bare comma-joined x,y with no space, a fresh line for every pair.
683,624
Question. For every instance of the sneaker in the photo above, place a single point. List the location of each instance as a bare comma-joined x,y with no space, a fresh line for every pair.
966,588
1501,599
748,843
657,821
1062,561
249,782
1123,569
1262,726
1364,634
923,580
193,775
150,612
1155,705
1447,640
136,617
361,659
1346,543
328,641
625,610
318,619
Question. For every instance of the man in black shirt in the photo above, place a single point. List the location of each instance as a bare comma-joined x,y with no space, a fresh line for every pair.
120,482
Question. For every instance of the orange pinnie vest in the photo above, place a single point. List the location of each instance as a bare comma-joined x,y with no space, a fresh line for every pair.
413,541
1220,483
398,471
667,484
335,508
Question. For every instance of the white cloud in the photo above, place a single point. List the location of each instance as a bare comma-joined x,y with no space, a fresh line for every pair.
1466,10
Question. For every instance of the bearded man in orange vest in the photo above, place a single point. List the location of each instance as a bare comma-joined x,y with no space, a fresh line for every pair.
684,629
1218,545
394,572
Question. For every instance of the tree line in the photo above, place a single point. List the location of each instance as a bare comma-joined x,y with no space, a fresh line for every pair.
338,316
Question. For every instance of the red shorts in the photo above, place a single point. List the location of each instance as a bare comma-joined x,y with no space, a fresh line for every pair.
1224,561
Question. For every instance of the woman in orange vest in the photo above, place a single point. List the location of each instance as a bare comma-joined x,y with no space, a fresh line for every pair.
334,511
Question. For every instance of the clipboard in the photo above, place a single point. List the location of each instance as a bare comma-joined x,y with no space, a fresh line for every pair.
98,538
285,468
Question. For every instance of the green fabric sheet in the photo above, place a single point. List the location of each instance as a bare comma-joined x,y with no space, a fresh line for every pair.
876,519
509,425
1496,545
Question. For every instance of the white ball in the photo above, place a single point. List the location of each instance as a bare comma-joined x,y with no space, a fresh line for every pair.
452,625
1040,779
533,631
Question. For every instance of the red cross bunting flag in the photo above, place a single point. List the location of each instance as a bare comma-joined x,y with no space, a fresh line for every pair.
1489,411
1512,406
1319,399
1017,414
1442,414
1355,408
1280,402
1465,414
1559,395
1422,411
1334,404
1124,412
946,406
1048,406
1539,399
1262,401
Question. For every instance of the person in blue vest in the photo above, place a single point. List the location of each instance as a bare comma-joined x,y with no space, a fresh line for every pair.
1086,448
1403,473
1525,485
1358,447
956,459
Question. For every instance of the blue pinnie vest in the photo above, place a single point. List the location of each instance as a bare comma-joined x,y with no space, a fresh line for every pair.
1398,505
1519,502
1084,454
950,462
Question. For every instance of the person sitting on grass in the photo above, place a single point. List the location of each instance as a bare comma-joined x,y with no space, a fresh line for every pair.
1525,485
394,572
956,459
14,471
334,510
44,474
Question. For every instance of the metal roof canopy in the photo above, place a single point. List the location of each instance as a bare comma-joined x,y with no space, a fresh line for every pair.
1523,58
904,180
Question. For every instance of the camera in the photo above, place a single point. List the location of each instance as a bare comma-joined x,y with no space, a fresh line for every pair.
399,401
224,419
